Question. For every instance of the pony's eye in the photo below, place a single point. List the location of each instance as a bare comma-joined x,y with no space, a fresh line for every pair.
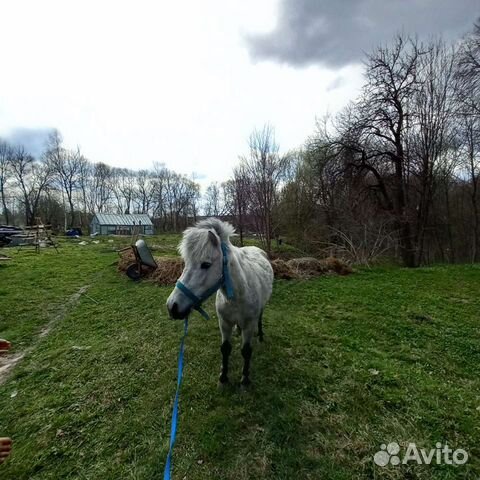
205,265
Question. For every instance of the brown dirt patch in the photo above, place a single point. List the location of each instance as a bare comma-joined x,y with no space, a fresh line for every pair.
8,361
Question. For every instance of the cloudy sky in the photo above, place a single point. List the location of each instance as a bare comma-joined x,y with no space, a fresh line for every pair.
185,82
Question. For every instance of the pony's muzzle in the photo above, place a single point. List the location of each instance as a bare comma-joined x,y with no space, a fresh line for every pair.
178,305
176,313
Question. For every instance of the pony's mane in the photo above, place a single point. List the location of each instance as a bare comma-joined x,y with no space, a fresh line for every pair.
224,230
195,242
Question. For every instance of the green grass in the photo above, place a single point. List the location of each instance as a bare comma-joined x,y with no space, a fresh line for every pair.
349,363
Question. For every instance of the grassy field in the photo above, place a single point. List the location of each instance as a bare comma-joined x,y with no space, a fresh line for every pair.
349,363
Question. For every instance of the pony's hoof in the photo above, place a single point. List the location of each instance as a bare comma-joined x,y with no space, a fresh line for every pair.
245,381
223,379
222,387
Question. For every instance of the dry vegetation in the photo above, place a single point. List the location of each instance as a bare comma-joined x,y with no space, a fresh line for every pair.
309,267
167,273
170,269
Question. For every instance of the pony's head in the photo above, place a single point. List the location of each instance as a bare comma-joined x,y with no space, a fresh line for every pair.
202,253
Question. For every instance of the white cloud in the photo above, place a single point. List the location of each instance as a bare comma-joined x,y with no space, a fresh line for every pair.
137,82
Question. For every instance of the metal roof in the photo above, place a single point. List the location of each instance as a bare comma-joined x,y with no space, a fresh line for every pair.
123,219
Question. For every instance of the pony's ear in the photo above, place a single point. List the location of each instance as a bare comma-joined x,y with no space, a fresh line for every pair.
213,238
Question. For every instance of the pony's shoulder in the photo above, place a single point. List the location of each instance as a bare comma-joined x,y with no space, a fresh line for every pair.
258,263
254,251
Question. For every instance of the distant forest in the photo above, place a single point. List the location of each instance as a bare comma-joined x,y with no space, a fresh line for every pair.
393,175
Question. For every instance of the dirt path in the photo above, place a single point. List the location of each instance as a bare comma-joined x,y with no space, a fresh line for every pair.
8,362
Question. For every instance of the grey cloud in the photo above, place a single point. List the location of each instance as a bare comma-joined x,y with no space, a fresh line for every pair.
337,82
33,139
337,33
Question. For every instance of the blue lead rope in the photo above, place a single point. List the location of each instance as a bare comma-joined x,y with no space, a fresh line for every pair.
173,431
226,282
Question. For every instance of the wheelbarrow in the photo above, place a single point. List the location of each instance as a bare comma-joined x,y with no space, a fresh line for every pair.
144,260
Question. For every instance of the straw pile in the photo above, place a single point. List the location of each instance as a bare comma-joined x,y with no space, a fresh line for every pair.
333,264
282,270
170,269
126,259
167,273
307,267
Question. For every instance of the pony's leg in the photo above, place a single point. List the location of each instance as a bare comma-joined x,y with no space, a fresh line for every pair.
226,348
247,335
260,327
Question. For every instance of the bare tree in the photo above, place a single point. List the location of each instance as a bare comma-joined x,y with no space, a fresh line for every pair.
171,197
144,190
159,197
432,133
264,168
5,156
33,178
468,72
470,132
468,94
373,133
213,201
84,177
100,188
123,188
238,197
67,169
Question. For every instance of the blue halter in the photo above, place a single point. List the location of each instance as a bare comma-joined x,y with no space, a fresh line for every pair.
223,281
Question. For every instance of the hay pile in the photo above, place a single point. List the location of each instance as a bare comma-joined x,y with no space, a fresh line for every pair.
126,259
308,267
170,269
335,265
282,270
167,273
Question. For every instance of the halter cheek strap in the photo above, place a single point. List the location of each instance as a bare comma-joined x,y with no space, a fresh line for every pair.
224,281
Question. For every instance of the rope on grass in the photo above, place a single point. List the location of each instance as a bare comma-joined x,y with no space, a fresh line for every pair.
173,432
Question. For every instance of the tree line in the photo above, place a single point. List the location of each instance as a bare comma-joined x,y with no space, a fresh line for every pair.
395,173
65,189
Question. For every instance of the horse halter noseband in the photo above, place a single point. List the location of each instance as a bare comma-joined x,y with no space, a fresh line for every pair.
224,281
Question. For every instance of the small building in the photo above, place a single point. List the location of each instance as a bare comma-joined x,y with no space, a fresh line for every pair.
121,224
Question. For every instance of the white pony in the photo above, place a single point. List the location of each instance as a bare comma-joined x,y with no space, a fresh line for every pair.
242,278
